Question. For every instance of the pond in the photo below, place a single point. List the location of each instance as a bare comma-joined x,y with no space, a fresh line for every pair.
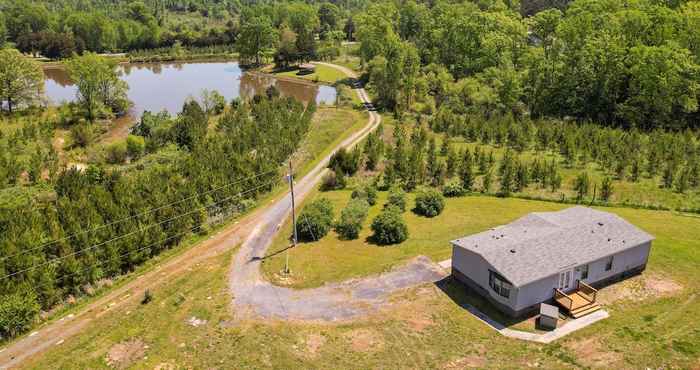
158,86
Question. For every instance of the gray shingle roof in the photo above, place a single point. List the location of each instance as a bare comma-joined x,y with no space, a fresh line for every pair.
542,244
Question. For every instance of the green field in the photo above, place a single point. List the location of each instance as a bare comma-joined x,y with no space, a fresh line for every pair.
322,73
654,319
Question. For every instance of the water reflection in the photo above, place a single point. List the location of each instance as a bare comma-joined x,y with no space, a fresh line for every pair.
158,86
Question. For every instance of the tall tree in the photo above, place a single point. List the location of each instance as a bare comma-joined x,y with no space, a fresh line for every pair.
256,35
21,79
98,84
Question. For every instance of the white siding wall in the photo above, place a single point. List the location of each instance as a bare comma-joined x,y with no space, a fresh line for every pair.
623,261
475,267
543,289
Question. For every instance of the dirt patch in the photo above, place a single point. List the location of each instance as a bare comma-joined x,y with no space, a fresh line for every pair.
640,288
475,361
193,321
165,366
365,340
592,353
312,345
123,354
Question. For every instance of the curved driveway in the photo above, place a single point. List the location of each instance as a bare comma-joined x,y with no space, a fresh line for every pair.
254,297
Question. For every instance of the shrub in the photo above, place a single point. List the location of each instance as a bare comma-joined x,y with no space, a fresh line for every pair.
17,313
351,219
389,227
135,146
453,188
116,152
147,297
82,135
315,220
368,192
348,162
333,180
396,198
429,202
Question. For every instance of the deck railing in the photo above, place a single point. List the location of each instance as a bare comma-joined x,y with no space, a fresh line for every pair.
590,292
563,299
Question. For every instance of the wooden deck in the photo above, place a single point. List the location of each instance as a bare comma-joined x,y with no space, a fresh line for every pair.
579,302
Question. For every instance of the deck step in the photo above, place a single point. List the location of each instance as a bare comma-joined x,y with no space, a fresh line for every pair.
585,310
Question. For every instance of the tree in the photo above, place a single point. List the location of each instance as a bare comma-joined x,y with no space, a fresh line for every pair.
315,220
606,189
21,79
582,185
287,48
351,219
254,38
328,16
396,198
366,191
17,313
429,202
98,83
389,227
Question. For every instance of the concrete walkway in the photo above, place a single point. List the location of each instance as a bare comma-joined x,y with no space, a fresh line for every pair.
548,337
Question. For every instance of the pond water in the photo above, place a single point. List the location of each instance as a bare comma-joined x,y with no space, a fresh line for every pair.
158,86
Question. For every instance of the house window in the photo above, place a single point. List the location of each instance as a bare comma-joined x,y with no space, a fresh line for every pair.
499,284
608,263
584,272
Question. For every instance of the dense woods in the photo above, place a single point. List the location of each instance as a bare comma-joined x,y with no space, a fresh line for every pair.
610,62
98,223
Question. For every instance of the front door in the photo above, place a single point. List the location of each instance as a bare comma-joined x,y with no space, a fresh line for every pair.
566,280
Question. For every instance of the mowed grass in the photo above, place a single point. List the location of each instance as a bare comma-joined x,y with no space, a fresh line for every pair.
329,127
332,259
425,327
322,73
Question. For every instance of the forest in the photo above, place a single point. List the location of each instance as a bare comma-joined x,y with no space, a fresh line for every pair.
594,102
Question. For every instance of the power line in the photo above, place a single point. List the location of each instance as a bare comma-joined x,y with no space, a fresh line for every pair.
33,267
151,210
98,263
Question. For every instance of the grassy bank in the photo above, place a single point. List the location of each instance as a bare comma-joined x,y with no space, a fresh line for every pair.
322,73
426,327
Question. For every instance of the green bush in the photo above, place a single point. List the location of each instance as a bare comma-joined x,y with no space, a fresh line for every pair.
135,146
351,219
396,198
453,188
82,135
116,152
315,220
389,227
368,192
333,180
429,202
17,313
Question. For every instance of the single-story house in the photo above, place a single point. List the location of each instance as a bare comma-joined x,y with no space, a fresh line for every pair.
550,257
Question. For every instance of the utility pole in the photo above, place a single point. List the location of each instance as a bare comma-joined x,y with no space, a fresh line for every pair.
294,217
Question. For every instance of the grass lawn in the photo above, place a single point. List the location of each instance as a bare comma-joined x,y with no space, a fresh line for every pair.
425,328
322,73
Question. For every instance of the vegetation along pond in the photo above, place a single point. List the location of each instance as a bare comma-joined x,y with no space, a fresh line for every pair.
158,86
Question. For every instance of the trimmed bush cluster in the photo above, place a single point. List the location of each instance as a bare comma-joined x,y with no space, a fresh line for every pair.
351,219
389,227
315,220
429,202
453,188
396,198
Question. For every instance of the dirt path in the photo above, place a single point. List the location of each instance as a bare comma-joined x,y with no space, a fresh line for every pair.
254,297
55,332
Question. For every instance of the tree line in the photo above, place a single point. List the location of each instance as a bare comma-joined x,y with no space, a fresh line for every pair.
614,63
98,223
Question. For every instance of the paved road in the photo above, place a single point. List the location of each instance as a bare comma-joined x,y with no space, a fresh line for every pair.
254,297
